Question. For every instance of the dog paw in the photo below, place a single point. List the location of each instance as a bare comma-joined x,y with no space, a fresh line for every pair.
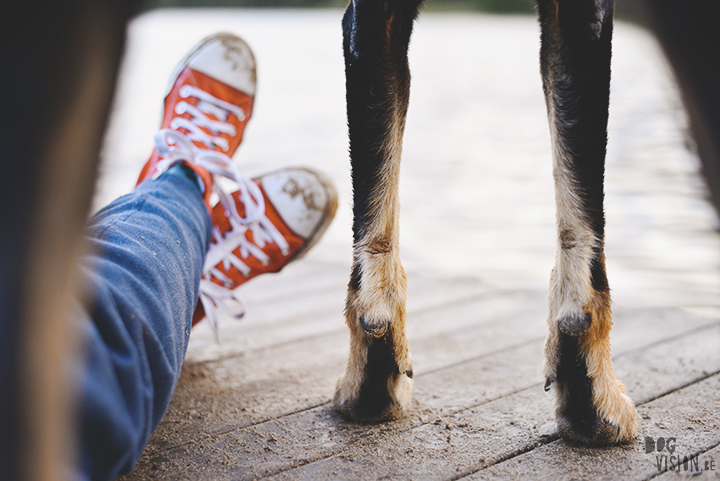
592,430
377,383
592,406
612,423
376,386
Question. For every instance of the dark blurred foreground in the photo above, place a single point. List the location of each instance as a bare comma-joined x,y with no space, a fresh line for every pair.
63,59
500,6
626,9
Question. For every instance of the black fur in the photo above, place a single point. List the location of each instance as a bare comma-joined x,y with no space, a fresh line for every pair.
374,400
598,276
354,284
579,83
578,420
376,35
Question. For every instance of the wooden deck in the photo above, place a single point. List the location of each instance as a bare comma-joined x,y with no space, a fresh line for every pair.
257,405
478,241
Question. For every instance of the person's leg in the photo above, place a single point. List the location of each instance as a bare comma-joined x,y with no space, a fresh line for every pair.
154,257
148,252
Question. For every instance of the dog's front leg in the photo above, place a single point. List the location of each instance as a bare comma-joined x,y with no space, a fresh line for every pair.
592,405
377,384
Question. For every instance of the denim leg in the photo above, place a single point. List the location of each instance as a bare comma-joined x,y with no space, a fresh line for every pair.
144,273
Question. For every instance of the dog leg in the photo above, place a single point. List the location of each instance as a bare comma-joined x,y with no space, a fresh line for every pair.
592,405
377,384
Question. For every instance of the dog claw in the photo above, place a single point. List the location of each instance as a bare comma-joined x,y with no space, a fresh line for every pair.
548,383
408,373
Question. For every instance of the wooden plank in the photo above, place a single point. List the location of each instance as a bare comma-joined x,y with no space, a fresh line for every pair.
255,386
308,276
296,280
707,467
485,434
689,415
507,424
281,318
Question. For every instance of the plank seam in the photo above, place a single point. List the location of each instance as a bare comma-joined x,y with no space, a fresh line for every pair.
554,437
696,454
342,328
544,439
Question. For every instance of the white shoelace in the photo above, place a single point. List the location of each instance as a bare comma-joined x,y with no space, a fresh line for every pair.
175,148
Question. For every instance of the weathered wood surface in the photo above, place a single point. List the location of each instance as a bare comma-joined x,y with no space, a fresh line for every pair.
479,399
478,240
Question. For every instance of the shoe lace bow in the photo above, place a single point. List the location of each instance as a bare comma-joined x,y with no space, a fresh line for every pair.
231,247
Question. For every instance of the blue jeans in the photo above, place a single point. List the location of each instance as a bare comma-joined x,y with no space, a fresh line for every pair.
148,250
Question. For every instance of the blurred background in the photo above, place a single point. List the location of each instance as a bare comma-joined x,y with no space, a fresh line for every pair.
476,185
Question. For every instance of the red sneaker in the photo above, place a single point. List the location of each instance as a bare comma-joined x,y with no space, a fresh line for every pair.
267,222
208,104
299,204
